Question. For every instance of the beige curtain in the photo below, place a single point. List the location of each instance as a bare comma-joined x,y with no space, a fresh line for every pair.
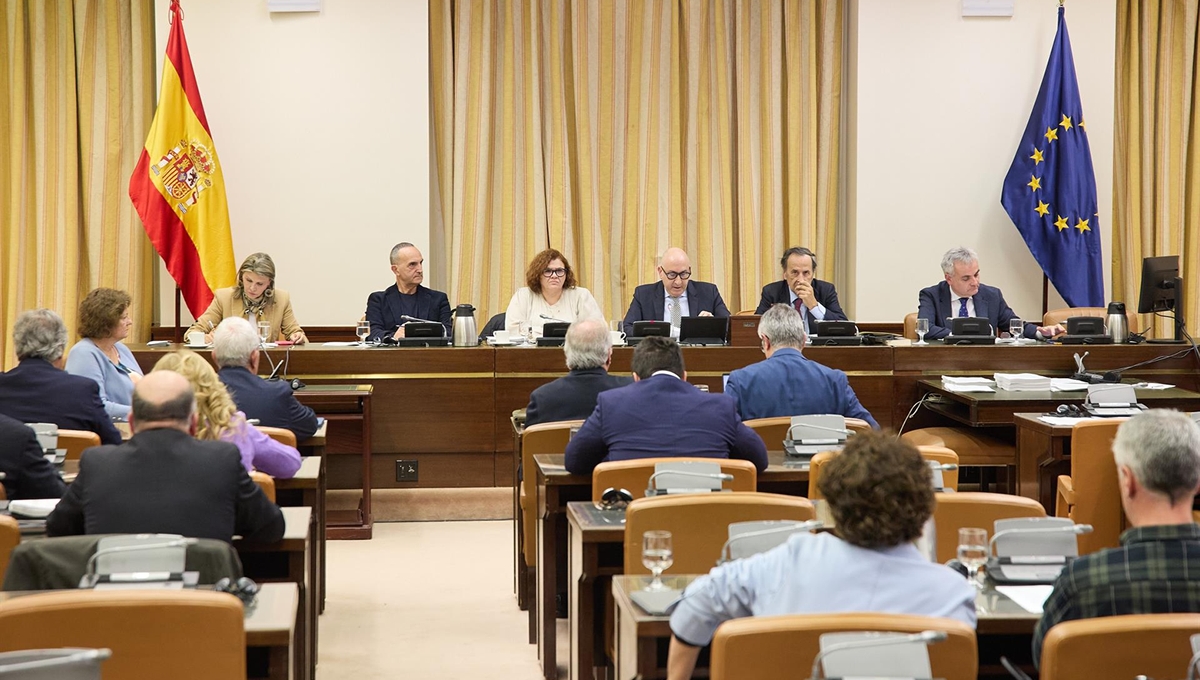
76,99
1156,178
615,129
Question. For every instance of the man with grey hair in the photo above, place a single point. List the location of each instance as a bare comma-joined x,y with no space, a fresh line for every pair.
164,480
588,347
38,390
236,353
962,295
1157,454
786,383
388,310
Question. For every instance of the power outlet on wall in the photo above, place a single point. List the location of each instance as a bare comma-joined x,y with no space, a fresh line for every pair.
406,470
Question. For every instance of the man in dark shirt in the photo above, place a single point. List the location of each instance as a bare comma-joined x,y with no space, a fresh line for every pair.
1154,571
235,350
573,397
387,308
27,473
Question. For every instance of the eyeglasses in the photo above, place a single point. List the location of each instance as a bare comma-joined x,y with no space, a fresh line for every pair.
676,275
554,273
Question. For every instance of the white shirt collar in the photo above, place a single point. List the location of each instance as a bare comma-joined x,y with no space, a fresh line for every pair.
666,372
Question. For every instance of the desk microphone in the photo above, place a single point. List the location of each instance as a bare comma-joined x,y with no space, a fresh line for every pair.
722,476
1062,529
927,637
90,575
413,318
550,318
791,528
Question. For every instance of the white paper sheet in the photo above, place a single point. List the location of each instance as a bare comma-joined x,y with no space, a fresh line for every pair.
1064,421
966,380
1030,598
968,388
1067,385
339,343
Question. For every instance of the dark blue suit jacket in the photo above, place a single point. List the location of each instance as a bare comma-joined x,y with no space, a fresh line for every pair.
650,304
934,304
271,401
383,310
787,384
660,417
826,294
37,392
571,397
27,473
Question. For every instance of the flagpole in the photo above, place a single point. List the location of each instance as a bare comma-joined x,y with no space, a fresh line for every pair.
1045,297
178,297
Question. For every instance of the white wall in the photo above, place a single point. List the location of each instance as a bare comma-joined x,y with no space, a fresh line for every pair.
321,122
939,103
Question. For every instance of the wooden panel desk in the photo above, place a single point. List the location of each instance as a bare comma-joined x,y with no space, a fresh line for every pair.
556,488
307,489
269,626
289,560
641,638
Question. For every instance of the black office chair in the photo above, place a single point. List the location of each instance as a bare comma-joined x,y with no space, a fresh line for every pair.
496,323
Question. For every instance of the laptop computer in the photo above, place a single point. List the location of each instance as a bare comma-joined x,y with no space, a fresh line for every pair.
703,330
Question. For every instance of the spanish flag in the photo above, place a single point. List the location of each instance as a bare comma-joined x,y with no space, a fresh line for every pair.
178,188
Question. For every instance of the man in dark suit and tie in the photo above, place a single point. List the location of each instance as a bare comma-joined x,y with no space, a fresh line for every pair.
816,299
787,384
661,415
588,347
27,473
38,390
675,296
962,295
235,351
164,480
386,309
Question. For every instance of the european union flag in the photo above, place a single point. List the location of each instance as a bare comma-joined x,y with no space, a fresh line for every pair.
1050,190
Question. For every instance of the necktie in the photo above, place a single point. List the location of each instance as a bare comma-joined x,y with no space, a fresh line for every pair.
675,311
962,307
799,305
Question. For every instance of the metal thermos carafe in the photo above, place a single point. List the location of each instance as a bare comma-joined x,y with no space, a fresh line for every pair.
465,332
1118,323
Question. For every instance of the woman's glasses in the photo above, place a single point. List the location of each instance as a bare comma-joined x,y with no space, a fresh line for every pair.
554,273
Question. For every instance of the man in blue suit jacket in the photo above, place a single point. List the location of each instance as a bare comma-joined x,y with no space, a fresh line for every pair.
235,351
38,390
675,289
661,415
407,297
801,289
961,294
787,384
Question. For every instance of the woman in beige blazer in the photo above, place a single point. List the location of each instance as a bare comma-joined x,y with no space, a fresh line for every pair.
256,298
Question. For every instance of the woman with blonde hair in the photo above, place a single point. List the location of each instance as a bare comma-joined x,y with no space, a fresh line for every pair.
219,419
256,298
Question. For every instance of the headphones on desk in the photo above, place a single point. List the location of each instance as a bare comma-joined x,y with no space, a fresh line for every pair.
1070,410
243,589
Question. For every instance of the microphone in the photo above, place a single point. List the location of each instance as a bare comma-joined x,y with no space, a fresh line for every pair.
413,318
839,430
1192,665
550,318
90,575
1063,529
79,656
928,637
723,476
797,527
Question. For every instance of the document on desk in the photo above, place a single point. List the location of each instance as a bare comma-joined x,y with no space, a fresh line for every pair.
339,343
1062,421
1067,385
956,383
1030,598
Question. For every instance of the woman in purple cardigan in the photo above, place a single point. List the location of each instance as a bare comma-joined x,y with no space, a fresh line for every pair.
220,420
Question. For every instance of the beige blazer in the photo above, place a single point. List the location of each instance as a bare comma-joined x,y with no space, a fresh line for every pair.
226,303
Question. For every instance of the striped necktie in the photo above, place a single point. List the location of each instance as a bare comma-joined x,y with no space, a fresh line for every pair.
675,311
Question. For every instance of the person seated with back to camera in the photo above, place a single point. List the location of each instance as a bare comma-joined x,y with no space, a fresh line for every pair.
879,493
588,348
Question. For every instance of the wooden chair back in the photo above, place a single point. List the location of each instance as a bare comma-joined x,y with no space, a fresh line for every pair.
184,634
279,434
536,440
976,509
1060,316
784,647
634,475
1153,645
939,454
10,538
266,483
910,326
699,524
1094,478
76,441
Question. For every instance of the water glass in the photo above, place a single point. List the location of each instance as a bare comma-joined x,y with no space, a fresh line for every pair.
264,331
362,330
973,552
922,329
1016,329
656,555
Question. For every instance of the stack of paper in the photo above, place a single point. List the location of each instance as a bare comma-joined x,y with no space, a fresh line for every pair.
1022,382
1067,385
956,383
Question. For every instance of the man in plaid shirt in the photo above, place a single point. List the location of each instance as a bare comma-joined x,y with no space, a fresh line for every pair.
1158,470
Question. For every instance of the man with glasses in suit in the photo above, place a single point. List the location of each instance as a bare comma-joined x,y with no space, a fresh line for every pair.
675,296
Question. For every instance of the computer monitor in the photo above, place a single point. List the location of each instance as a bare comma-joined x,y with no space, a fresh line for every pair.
703,330
1162,290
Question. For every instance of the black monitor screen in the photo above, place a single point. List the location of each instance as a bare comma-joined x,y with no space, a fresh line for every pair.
1158,284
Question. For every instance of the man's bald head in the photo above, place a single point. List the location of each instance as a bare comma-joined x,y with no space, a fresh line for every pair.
163,399
675,258
675,268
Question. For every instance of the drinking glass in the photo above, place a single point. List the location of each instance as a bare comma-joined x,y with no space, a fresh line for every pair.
362,331
922,329
656,555
1016,329
973,552
526,331
264,331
